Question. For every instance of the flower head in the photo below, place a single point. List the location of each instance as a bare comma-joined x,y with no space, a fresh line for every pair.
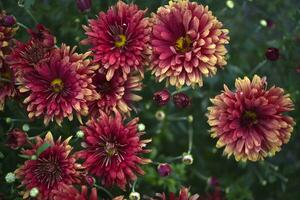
84,5
51,168
7,84
187,43
43,36
60,85
250,122
183,195
181,100
119,39
16,138
113,149
161,97
69,192
115,94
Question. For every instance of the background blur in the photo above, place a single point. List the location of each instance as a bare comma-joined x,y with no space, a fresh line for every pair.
254,26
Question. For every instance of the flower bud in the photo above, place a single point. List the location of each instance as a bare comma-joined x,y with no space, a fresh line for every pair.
10,177
90,180
26,127
80,134
181,100
162,97
141,127
34,192
213,181
16,138
164,169
187,159
160,115
84,5
272,54
134,196
9,21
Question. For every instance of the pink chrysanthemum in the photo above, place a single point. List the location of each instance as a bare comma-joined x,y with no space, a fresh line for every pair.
69,192
51,168
183,195
250,122
60,85
119,39
115,94
188,42
113,149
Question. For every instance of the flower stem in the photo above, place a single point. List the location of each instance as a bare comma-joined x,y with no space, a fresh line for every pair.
31,15
190,132
181,90
105,190
23,26
260,65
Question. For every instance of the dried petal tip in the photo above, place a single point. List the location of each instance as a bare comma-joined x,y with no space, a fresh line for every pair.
162,97
250,122
272,54
164,169
181,100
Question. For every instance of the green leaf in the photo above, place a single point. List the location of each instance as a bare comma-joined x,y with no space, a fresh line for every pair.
42,148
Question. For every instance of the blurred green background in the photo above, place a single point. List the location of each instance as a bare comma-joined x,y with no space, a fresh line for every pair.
277,178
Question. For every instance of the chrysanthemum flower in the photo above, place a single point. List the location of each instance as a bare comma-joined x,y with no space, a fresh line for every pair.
7,32
119,39
115,94
25,56
16,138
7,84
250,122
113,149
183,195
188,42
60,85
51,168
69,192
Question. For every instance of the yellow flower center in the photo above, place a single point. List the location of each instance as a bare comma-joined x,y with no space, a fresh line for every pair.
183,44
249,118
110,149
120,41
57,85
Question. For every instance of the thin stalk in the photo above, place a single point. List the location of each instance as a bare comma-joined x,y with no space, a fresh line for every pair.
260,65
23,25
190,132
105,190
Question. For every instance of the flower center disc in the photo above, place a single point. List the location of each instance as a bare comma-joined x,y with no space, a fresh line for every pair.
249,118
183,44
57,85
110,149
120,40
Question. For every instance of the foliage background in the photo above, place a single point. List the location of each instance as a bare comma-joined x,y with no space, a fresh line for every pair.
276,178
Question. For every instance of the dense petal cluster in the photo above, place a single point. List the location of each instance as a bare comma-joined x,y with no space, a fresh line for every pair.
7,84
183,195
16,138
112,150
119,39
187,43
250,122
115,94
51,168
69,192
60,85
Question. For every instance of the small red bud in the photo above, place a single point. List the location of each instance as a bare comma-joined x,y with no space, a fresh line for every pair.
162,97
16,138
181,100
272,54
164,169
84,5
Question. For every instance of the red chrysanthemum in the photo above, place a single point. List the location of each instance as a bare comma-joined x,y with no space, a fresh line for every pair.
119,39
115,94
60,85
183,195
69,192
7,32
7,84
187,43
113,149
25,56
250,122
16,139
51,168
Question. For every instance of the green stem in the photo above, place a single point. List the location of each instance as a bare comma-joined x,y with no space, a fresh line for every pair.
105,190
23,26
190,132
133,186
5,80
181,90
31,15
260,65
